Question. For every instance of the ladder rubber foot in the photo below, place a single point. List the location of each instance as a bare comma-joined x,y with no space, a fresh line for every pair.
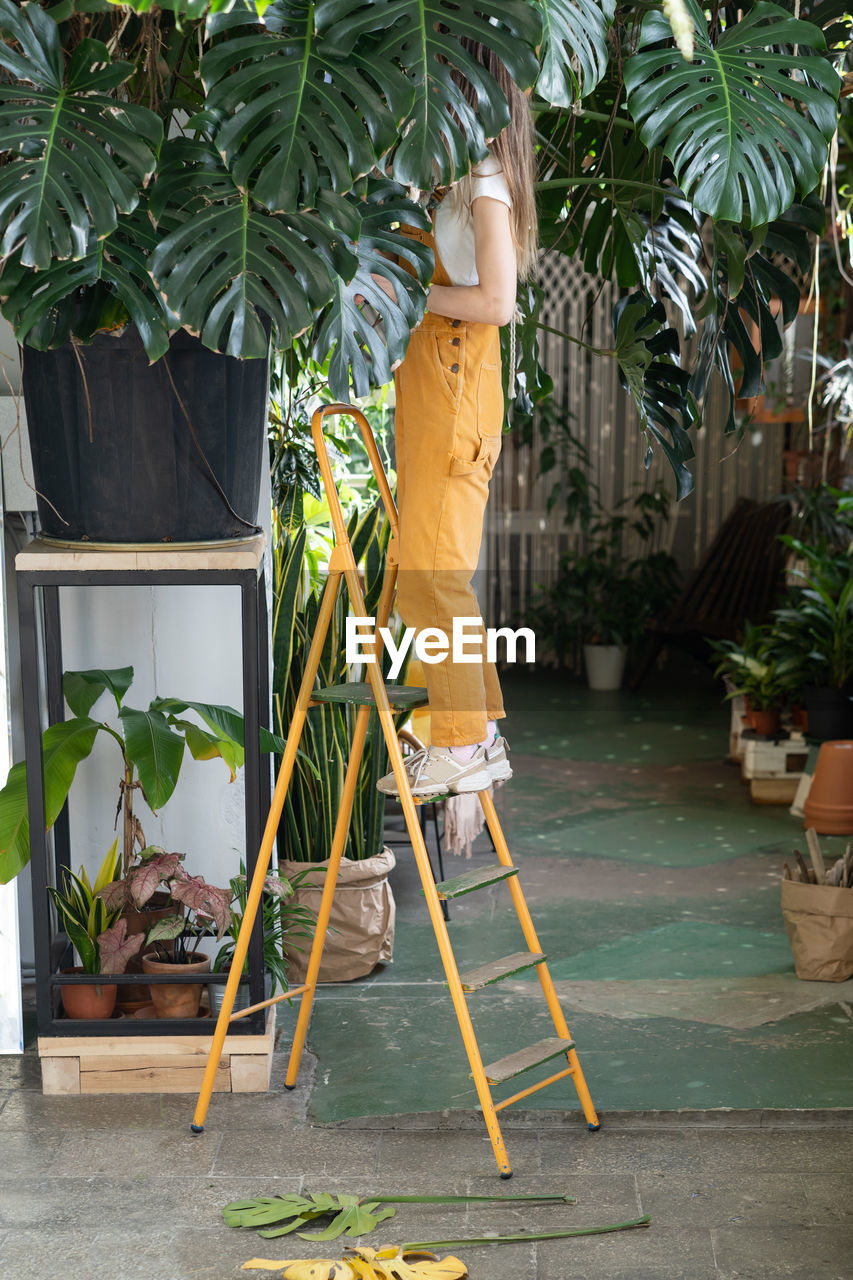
196,1128
290,1087
507,1176
594,1128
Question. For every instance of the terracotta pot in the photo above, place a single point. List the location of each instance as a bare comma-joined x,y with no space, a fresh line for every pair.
799,717
766,723
829,807
179,1001
96,1001
137,994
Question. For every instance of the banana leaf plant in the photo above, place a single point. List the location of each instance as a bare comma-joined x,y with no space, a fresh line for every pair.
151,744
214,165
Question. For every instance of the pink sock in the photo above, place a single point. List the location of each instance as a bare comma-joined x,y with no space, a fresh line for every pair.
466,752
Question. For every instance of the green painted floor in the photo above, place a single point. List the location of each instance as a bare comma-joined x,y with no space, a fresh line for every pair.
654,886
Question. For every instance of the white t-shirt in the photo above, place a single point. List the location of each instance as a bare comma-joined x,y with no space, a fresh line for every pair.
454,224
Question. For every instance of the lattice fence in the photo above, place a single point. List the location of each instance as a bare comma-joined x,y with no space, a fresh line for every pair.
523,539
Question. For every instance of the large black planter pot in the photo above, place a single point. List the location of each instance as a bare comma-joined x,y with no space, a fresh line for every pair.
830,713
152,462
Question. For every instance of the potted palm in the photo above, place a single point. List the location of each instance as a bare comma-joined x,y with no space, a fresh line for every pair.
757,669
152,745
602,598
97,934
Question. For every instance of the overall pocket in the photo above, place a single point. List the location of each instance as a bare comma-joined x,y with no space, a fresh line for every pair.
489,424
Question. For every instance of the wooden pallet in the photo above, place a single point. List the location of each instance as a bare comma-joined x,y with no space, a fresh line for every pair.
154,1064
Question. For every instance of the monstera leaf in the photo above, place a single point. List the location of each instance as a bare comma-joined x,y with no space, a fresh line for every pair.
746,124
296,116
443,134
574,48
228,260
359,356
80,155
647,352
45,308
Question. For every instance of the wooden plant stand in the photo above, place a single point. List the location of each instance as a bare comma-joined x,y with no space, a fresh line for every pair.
155,1064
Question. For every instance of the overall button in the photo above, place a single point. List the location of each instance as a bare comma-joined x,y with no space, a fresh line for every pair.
455,323
454,368
454,342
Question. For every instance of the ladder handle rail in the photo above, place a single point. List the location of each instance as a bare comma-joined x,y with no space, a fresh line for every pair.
350,411
256,887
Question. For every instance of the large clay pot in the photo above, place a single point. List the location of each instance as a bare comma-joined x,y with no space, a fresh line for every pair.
97,1000
178,1001
829,806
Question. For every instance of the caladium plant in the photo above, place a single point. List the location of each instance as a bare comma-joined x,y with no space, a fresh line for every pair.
206,908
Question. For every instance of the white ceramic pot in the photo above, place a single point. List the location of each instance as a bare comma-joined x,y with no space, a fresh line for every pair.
605,665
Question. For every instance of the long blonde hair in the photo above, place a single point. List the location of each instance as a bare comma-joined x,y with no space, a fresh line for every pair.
514,151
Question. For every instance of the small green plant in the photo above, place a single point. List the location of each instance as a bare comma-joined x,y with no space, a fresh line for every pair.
94,929
756,668
816,622
286,925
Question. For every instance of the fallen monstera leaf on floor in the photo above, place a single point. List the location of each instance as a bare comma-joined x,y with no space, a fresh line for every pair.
364,1263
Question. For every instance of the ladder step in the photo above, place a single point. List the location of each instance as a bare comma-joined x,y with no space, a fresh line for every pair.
360,694
532,1056
506,967
479,878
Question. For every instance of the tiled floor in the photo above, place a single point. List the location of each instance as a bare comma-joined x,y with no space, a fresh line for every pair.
723,1083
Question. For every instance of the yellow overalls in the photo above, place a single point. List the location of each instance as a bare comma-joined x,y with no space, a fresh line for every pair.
448,422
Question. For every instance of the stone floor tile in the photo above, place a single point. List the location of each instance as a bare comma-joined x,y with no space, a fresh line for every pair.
711,1200
431,1157
109,1151
28,1110
621,1151
320,1153
799,1253
20,1071
829,1200
27,1154
600,1198
34,1254
659,1252
115,1203
803,1151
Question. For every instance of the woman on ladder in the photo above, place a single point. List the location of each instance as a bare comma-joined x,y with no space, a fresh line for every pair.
449,420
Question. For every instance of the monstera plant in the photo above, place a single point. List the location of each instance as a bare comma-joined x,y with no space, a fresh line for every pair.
227,166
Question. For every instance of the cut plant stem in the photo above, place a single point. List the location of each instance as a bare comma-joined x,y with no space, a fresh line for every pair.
524,1237
551,1196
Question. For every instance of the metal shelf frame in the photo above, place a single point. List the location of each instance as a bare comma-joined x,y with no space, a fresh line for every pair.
41,569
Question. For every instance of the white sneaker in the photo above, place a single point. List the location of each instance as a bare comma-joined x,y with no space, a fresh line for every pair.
435,771
496,760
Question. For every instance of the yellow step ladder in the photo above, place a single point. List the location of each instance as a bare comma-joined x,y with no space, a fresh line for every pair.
375,695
